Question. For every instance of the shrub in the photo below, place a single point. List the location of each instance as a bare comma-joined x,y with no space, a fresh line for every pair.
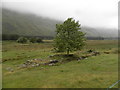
35,40
22,40
32,40
38,40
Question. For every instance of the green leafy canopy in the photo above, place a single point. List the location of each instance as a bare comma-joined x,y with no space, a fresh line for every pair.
69,37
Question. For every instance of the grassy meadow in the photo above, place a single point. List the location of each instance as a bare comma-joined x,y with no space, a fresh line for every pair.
99,71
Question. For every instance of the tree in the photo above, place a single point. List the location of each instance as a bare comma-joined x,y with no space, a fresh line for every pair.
22,40
68,36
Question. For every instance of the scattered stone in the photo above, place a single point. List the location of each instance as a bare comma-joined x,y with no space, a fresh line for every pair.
53,61
50,64
9,69
96,53
37,65
23,66
35,59
33,65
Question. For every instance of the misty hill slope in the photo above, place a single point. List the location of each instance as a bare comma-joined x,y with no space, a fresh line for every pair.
32,25
26,24
100,32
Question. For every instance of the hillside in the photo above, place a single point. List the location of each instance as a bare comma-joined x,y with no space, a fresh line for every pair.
27,24
31,25
100,32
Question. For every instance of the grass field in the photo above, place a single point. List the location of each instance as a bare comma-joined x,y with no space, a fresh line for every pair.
99,71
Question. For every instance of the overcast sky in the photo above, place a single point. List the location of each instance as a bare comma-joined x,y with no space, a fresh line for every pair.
93,13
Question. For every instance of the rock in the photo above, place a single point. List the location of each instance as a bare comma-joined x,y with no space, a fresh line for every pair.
96,53
33,65
51,64
31,60
9,69
53,61
79,59
23,66
37,65
35,59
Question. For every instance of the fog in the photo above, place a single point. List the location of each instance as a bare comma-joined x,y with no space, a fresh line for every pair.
93,13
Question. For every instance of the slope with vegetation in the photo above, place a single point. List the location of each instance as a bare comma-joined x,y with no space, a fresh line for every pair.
27,24
32,25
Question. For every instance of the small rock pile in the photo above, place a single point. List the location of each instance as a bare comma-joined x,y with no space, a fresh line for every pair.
37,62
92,53
51,62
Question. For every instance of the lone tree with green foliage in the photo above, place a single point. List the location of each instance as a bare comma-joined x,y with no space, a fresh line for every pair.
69,37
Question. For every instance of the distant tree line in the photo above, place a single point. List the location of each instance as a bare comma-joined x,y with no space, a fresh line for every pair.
10,36
15,37
102,38
95,38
